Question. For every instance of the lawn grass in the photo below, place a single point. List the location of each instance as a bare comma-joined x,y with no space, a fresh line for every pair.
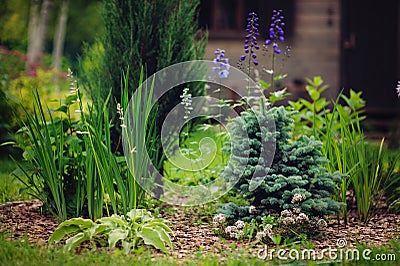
210,170
11,189
22,253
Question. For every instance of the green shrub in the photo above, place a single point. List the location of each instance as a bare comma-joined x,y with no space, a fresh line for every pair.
297,167
153,34
367,169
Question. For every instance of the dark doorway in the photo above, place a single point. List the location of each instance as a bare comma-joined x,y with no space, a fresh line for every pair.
370,55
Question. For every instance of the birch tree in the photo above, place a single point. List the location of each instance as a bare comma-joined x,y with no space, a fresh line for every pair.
59,35
37,29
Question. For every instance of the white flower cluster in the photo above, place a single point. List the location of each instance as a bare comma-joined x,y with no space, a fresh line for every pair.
252,209
239,224
266,232
219,219
73,88
120,111
286,213
73,83
231,231
289,218
298,198
260,235
268,229
294,222
302,217
398,88
186,102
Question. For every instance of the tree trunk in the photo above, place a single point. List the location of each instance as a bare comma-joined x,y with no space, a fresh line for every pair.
37,31
33,30
59,36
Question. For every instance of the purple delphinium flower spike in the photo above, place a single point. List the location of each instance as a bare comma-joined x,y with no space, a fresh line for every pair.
250,43
221,64
276,32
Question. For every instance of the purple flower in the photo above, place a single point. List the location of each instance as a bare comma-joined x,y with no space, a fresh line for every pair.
251,39
223,74
276,32
221,64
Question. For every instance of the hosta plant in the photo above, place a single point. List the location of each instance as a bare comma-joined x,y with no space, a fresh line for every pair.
138,226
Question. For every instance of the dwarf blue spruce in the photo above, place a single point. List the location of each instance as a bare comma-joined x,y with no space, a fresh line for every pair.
297,168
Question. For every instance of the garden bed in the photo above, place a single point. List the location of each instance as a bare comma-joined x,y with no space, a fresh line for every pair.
193,232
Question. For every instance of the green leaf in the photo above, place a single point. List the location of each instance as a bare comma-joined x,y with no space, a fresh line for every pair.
81,222
152,237
73,139
314,94
114,221
297,105
321,104
127,246
278,95
97,229
28,154
264,84
280,77
62,108
116,235
74,241
134,214
164,236
160,223
71,99
307,104
317,81
63,231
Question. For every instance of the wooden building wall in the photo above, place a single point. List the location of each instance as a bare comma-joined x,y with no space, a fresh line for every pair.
314,42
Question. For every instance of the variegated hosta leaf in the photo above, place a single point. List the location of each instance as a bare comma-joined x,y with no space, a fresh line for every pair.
135,213
152,237
127,246
74,241
62,232
114,221
139,214
116,235
96,229
69,227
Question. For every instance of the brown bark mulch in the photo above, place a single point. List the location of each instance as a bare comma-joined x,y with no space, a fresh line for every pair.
193,233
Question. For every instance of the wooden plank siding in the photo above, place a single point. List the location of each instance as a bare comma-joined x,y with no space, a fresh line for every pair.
315,44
